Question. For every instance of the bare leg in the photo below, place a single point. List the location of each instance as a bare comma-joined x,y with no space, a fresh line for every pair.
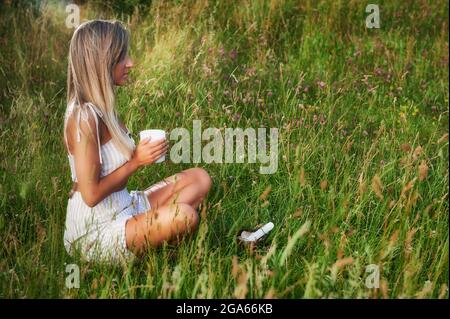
165,224
189,187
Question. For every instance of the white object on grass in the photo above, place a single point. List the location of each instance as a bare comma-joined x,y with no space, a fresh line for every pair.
258,234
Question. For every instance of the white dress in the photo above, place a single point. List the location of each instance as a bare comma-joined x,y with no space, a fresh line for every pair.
98,233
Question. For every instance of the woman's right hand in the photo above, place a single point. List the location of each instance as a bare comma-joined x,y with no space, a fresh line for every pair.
148,152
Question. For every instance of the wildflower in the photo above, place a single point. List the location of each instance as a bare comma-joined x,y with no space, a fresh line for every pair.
357,53
365,79
207,70
263,40
423,84
377,187
302,177
408,186
444,138
247,98
269,94
321,84
94,285
235,267
384,288
260,102
209,97
406,148
423,170
417,152
378,71
266,193
233,54
250,71
342,262
298,213
388,76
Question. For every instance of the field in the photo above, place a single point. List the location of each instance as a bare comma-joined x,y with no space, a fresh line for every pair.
362,178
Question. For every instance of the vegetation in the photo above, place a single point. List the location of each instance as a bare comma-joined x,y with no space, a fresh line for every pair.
363,147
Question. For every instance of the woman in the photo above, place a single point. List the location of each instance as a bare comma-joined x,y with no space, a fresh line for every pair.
105,221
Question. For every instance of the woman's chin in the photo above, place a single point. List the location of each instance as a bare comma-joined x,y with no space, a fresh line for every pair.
121,82
124,80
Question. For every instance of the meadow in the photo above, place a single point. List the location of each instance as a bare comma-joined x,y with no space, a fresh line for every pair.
362,178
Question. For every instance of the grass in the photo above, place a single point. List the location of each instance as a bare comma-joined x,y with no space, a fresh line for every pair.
363,167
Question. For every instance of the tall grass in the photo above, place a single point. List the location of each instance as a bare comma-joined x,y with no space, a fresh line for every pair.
363,167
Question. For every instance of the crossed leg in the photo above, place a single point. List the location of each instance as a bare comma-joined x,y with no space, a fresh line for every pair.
174,211
189,187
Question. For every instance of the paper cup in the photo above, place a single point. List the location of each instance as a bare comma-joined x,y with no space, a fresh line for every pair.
155,136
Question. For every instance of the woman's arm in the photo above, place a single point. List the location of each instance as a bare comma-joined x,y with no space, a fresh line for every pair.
93,188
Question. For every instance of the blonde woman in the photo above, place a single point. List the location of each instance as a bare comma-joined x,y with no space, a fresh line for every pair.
104,221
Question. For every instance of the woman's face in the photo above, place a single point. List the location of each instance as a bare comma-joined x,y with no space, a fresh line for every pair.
120,72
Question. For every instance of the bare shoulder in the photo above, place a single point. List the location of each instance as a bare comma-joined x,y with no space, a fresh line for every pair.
82,123
88,126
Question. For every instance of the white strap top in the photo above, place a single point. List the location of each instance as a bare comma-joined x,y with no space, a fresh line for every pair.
110,157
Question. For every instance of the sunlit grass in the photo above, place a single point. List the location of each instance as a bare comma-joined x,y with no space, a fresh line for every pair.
363,168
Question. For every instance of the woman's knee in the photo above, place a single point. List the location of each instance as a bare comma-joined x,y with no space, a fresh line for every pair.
203,179
186,217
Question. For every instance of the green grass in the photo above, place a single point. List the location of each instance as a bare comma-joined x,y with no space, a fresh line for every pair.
382,112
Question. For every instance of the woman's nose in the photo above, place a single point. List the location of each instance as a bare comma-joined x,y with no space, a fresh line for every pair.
129,63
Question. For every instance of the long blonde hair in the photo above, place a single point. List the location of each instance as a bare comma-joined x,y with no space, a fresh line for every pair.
96,47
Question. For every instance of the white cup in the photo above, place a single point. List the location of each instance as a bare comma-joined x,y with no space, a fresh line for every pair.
155,135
